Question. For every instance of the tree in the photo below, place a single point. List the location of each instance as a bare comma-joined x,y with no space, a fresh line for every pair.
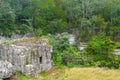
7,18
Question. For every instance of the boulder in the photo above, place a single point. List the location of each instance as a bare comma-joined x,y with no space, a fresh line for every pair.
6,69
117,51
29,70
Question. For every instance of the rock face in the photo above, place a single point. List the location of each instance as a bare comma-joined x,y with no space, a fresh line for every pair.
82,46
6,69
117,51
28,57
71,39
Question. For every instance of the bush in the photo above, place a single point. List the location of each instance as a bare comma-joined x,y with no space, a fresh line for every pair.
100,49
118,45
97,53
100,44
62,50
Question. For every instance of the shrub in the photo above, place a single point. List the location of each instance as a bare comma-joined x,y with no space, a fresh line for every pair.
100,44
97,53
62,50
118,45
100,49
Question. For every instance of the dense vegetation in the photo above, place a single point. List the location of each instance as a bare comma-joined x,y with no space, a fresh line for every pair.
98,52
96,22
84,18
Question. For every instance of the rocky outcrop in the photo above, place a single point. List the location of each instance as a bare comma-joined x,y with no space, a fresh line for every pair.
28,57
6,69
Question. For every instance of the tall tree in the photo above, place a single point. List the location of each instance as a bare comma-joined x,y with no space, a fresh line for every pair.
7,18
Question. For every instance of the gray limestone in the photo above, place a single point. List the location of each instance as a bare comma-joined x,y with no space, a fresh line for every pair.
28,57
6,69
117,51
71,39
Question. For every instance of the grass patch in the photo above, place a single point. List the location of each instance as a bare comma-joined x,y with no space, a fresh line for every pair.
54,74
90,73
22,76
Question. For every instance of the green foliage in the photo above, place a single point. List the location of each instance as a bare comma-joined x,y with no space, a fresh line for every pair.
97,53
38,32
117,45
62,50
100,44
114,32
84,17
7,42
99,50
7,18
110,61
